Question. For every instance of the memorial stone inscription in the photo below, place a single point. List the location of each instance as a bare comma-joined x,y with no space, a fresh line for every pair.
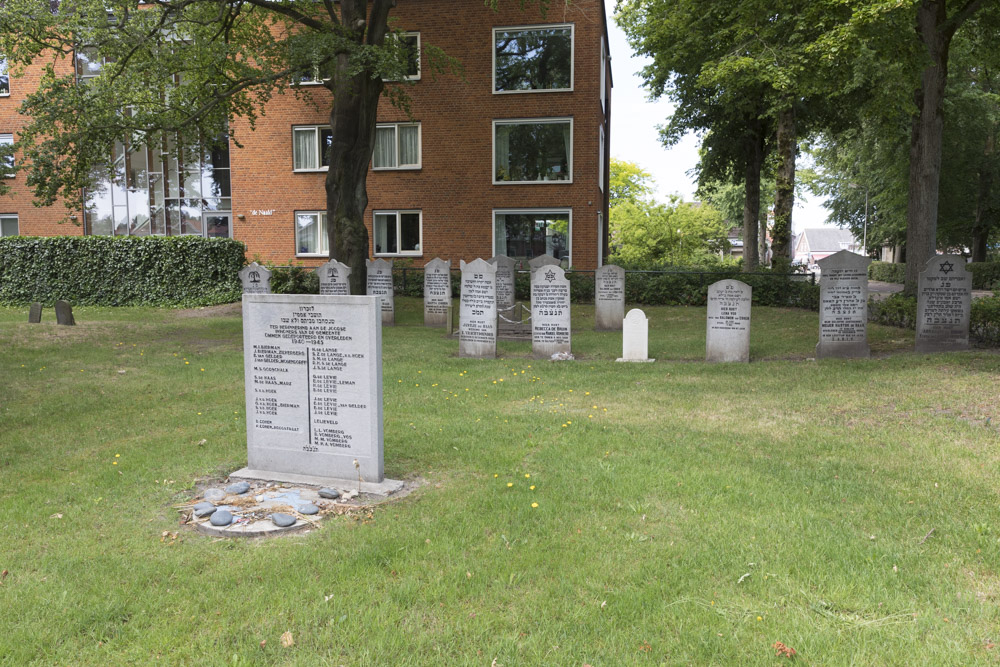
550,314
609,298
256,279
334,278
437,292
379,284
313,374
477,328
944,302
505,280
843,307
727,334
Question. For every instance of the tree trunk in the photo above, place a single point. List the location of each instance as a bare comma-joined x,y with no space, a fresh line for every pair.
784,190
751,201
985,214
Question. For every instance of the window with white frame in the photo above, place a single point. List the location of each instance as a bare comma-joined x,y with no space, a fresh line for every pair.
7,163
604,76
532,150
88,63
533,59
411,42
600,159
4,78
527,233
397,146
311,233
8,225
311,147
397,232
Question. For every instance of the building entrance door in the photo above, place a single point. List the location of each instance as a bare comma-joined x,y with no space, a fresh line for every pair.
217,225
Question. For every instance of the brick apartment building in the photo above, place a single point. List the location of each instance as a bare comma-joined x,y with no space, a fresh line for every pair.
510,158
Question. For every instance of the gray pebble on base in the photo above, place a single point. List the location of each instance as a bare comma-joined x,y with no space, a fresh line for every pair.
239,488
214,494
221,518
204,509
309,508
283,520
329,493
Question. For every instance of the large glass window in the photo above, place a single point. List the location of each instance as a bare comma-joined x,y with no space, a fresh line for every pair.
397,146
526,234
311,147
537,58
411,42
7,162
533,150
397,232
8,225
311,233
4,78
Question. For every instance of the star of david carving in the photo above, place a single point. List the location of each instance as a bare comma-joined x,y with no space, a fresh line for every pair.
550,275
947,267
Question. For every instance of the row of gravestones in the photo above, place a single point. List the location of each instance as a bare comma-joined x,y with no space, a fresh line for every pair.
64,313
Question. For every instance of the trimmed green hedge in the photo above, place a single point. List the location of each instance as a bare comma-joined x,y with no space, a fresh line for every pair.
120,271
887,272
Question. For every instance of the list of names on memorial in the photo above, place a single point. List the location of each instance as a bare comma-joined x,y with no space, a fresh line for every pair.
478,308
843,306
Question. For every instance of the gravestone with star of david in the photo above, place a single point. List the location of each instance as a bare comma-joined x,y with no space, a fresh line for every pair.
379,283
540,261
437,292
256,279
843,307
334,278
550,312
944,302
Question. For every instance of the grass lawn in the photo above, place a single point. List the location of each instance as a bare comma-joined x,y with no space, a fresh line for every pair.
687,513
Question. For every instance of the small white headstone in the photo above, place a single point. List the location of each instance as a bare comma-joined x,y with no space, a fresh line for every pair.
843,306
379,284
256,279
334,278
437,292
477,327
635,337
609,298
550,312
944,304
727,333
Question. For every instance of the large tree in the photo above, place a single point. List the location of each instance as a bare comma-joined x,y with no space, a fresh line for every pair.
188,67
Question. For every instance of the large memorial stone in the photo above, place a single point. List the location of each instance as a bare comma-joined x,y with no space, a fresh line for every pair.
843,307
550,322
635,337
477,317
944,302
334,278
313,374
437,292
64,313
727,329
379,284
506,273
609,298
35,313
540,261
256,279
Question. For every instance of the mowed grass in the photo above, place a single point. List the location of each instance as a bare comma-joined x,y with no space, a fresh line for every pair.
686,513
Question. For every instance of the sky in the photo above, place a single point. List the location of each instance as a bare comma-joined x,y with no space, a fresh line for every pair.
634,135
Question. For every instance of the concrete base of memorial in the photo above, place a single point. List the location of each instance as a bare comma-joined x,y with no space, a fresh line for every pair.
384,488
636,361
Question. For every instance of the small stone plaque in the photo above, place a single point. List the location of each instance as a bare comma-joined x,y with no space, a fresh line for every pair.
542,260
35,313
477,327
64,313
843,307
506,273
313,381
256,279
609,298
727,334
437,292
334,278
379,284
550,312
635,337
944,303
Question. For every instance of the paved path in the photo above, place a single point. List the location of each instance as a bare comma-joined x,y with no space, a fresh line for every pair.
879,290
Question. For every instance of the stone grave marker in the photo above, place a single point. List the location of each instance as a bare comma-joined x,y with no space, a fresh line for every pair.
35,313
542,260
727,329
256,279
64,313
550,312
334,278
477,323
379,284
609,298
506,272
635,337
437,292
944,302
313,382
843,307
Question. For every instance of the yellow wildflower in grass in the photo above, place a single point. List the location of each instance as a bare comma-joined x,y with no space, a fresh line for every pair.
586,393
590,416
202,370
495,476
187,363
534,504
527,474
114,463
759,618
118,456
510,484
532,487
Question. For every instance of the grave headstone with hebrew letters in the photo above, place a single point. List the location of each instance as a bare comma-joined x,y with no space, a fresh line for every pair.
944,302
437,292
843,306
256,279
550,314
540,261
334,278
379,284
609,298
727,329
477,326
64,313
313,381
635,337
35,313
506,272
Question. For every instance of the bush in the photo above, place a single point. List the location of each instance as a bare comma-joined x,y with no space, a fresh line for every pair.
293,280
120,271
985,275
887,272
984,321
896,310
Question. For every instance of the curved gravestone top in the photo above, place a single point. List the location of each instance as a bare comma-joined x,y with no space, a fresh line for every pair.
944,303
334,278
477,328
550,312
256,279
506,271
437,292
542,260
635,336
843,307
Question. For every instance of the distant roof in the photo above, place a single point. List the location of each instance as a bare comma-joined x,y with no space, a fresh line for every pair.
824,239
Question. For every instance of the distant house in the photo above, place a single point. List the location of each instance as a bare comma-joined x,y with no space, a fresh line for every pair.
813,245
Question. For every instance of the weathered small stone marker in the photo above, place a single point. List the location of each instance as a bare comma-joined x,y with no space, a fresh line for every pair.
379,284
506,272
540,261
256,279
550,312
64,313
727,329
334,278
609,298
843,306
944,303
477,325
35,313
437,292
313,374
635,337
